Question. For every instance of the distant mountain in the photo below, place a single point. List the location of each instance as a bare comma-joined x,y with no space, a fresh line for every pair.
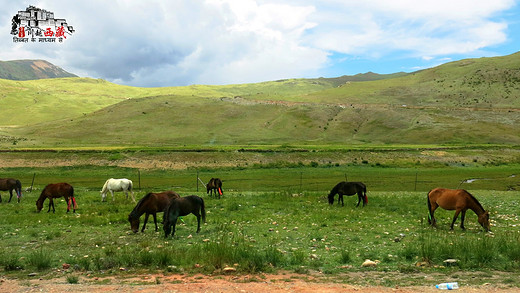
31,69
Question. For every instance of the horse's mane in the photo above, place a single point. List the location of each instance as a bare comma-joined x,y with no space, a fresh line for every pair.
335,188
475,199
104,189
134,211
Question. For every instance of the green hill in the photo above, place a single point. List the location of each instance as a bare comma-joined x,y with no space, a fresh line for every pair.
31,69
472,101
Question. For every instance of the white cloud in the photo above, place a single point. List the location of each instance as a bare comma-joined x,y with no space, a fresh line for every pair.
420,27
162,43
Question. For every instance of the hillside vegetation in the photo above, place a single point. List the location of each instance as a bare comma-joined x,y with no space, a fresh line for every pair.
31,69
472,101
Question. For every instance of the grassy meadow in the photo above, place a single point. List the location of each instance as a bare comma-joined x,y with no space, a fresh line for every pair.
270,219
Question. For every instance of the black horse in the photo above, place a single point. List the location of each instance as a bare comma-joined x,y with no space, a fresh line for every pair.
348,189
10,184
152,203
183,206
214,185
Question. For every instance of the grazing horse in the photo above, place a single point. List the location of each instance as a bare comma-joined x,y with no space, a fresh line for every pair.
152,203
183,206
214,185
55,191
10,184
348,189
459,200
112,185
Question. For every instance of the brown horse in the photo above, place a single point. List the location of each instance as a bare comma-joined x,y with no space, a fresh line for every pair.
459,200
10,184
348,189
183,206
55,191
214,185
152,203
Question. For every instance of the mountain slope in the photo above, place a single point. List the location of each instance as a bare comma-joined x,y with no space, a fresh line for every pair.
31,69
472,101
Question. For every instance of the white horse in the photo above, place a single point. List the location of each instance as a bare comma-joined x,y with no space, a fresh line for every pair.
117,185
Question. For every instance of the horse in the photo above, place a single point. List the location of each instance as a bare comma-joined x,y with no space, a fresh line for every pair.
152,203
112,185
55,191
459,200
214,185
183,206
10,184
348,189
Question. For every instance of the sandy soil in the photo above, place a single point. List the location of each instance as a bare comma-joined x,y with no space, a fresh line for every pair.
200,283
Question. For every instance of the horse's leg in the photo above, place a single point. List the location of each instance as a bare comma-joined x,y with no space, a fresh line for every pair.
155,221
133,199
358,200
455,218
51,203
113,198
145,221
433,222
167,228
11,193
462,216
0,198
68,200
174,223
198,222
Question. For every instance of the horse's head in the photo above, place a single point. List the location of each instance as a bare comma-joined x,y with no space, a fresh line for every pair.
331,198
134,223
39,205
103,195
483,219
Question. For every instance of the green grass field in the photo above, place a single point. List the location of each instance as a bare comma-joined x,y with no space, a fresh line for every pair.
264,232
284,223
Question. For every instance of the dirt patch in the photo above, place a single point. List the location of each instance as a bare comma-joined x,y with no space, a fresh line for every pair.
202,283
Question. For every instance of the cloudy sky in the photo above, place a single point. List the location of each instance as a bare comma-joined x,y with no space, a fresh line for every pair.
182,42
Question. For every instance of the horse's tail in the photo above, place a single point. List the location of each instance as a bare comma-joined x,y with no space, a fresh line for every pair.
18,188
202,209
130,185
73,198
429,207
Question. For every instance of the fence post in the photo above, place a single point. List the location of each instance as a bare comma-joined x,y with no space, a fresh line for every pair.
197,179
139,176
31,188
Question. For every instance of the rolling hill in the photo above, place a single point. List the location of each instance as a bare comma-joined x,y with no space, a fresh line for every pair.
473,101
31,69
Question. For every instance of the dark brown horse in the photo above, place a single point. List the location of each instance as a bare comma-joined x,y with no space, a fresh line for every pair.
348,189
183,206
10,184
152,203
214,185
459,200
55,191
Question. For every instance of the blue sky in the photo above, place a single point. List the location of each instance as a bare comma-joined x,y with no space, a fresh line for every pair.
182,42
